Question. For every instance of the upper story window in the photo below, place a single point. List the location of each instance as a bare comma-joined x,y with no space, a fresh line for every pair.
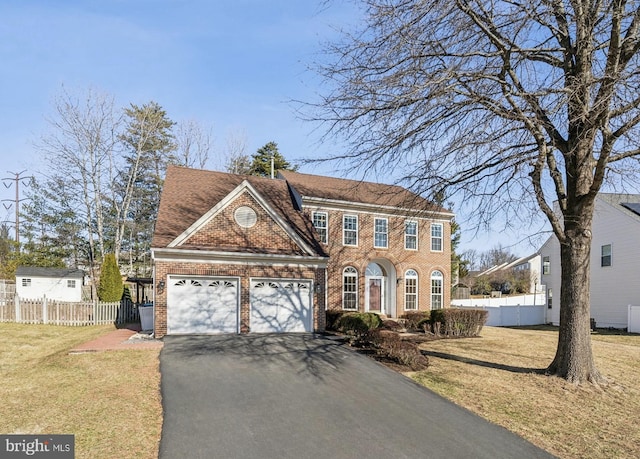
380,233
350,288
26,282
411,290
546,265
436,237
71,283
411,235
350,230
320,222
605,259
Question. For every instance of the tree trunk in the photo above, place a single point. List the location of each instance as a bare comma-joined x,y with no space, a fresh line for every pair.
574,357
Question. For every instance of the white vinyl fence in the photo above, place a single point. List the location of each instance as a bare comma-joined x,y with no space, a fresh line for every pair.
45,311
512,311
633,324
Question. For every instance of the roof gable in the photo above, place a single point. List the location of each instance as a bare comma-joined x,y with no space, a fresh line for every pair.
193,200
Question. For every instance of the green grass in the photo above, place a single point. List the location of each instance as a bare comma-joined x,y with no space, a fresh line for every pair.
110,401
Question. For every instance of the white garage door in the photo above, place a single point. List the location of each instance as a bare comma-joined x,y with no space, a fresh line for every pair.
279,306
202,305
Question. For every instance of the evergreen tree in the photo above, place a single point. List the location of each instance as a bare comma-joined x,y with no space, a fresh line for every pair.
261,161
111,287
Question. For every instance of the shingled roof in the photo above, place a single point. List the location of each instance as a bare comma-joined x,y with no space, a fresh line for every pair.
355,191
188,194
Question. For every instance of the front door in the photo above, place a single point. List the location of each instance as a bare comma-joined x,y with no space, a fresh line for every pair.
375,290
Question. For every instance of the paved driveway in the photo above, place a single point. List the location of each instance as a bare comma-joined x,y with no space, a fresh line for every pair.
300,396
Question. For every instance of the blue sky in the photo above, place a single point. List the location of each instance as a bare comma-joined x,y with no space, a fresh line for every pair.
232,65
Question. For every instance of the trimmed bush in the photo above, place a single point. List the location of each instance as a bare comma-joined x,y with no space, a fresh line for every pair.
413,319
390,324
456,322
389,344
358,323
332,317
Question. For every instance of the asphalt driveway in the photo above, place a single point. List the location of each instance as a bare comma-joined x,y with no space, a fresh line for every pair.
301,396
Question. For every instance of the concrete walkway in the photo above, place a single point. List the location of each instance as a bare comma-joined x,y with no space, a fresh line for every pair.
118,340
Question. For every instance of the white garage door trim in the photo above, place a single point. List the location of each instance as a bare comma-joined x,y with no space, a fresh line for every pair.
281,305
202,304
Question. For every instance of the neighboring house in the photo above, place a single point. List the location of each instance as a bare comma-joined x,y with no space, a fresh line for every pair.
59,284
529,266
239,253
615,252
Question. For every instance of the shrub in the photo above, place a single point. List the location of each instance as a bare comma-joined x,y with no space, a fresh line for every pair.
458,322
332,317
111,287
358,323
413,319
390,324
389,344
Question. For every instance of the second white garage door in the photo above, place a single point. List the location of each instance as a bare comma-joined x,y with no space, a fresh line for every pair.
279,306
202,305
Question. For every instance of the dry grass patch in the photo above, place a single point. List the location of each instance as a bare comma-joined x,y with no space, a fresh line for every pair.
109,400
499,376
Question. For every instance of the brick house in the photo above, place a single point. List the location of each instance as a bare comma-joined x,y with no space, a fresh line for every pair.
242,254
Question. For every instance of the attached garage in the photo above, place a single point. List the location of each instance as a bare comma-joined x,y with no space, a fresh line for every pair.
206,305
279,305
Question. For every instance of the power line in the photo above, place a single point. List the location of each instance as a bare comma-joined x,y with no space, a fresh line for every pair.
17,178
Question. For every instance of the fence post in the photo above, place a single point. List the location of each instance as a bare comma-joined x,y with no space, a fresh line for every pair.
45,318
16,302
95,311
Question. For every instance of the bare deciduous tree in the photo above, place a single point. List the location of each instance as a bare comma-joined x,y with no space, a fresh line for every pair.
512,105
237,161
194,144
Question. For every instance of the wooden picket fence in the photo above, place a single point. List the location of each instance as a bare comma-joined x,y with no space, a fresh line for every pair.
46,311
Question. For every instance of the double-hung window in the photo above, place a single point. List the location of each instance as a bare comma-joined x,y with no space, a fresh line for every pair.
411,235
605,259
320,222
411,290
546,265
436,290
350,288
350,230
380,233
436,237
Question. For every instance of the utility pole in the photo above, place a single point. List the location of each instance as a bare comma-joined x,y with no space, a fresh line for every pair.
17,178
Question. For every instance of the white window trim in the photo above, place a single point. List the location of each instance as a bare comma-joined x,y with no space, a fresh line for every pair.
412,235
351,272
344,230
439,277
326,228
415,276
434,237
375,220
602,265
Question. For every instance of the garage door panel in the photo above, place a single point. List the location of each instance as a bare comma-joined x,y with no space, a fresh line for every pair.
281,306
202,305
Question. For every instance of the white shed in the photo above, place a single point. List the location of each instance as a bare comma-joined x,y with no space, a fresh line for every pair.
61,284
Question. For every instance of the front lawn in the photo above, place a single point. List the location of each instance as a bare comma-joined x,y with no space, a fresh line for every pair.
495,376
110,401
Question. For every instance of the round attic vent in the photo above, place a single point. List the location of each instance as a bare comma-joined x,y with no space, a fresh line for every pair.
245,216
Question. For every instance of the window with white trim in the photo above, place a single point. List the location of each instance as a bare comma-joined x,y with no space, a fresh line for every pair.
546,265
320,222
350,288
380,233
26,282
411,235
71,283
436,289
350,230
605,258
436,237
411,290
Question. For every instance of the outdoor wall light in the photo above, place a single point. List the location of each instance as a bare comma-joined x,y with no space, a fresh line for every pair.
399,280
161,286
